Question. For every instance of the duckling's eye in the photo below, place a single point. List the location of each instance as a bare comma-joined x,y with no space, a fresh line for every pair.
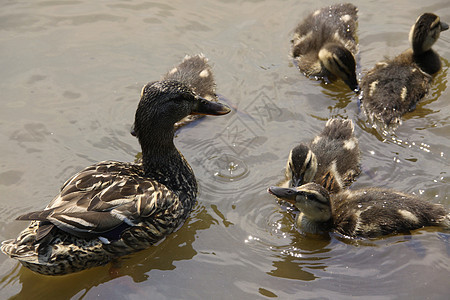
290,192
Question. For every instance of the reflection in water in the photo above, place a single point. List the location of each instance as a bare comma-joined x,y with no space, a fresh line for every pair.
176,247
302,258
338,91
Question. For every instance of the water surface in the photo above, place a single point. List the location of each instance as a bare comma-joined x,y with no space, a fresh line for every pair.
70,81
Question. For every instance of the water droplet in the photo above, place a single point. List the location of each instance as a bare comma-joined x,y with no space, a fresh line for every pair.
230,168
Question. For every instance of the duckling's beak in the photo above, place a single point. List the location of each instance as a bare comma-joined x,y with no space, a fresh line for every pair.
444,26
297,181
353,84
205,107
287,194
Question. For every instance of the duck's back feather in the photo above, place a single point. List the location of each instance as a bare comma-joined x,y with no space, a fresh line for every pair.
104,196
106,210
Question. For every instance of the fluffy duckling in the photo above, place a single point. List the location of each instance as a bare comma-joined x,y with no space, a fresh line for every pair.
324,44
394,87
331,159
194,72
364,213
114,208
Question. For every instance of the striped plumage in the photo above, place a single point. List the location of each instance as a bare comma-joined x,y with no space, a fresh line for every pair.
366,213
331,159
113,208
325,46
194,72
393,87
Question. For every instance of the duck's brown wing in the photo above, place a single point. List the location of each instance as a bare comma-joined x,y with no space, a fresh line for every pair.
103,198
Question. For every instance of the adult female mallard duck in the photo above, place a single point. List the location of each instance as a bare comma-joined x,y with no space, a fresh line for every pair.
394,87
194,72
324,44
365,213
113,208
331,159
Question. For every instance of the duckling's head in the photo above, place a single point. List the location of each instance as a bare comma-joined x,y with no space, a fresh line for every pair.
311,199
163,103
340,62
301,166
425,32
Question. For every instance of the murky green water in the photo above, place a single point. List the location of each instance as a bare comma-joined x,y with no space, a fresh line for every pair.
70,79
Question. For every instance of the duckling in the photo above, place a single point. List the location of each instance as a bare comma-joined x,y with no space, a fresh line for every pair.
393,87
194,72
324,44
115,208
364,213
331,159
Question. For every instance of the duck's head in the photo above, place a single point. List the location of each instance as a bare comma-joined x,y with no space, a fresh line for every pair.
425,32
301,166
341,63
311,199
163,103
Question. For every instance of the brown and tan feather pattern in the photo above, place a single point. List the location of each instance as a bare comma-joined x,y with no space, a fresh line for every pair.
114,208
331,159
364,213
393,87
325,46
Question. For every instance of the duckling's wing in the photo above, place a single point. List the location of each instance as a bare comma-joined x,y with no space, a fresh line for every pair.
104,200
338,155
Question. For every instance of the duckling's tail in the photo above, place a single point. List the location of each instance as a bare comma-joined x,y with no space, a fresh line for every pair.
195,72
338,129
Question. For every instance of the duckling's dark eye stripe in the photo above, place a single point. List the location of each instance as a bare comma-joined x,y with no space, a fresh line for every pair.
313,196
341,68
308,165
435,24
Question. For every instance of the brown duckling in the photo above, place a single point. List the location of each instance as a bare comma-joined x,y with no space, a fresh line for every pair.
364,213
331,159
113,208
324,44
393,87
